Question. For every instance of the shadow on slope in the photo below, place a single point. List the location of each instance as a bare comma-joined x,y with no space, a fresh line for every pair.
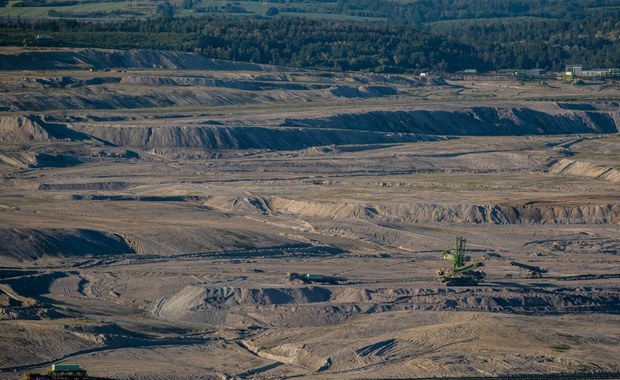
29,244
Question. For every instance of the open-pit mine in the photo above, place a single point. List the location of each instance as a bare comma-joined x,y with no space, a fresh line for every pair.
168,216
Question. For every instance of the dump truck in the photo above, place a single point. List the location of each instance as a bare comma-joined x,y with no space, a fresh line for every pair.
307,278
463,271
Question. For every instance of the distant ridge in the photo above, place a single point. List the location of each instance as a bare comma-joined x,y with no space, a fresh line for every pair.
99,59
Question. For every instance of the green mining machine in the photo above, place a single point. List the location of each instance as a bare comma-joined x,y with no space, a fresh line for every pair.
463,271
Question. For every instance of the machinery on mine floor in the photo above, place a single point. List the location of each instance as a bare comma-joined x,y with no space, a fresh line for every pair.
533,270
60,372
308,278
463,271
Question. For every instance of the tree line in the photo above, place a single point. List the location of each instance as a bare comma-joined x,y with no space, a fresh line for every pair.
297,42
419,12
345,45
540,43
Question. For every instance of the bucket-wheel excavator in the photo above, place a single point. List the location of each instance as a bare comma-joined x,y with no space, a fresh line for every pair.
463,271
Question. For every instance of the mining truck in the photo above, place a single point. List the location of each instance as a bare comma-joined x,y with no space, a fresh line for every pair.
463,271
308,278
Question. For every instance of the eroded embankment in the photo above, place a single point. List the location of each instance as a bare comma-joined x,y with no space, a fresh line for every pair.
18,129
29,244
224,137
34,128
105,99
30,129
77,59
474,121
586,169
529,213
319,305
250,84
364,128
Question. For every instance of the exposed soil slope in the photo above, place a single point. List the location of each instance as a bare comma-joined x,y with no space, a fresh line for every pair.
28,244
105,59
475,121
298,306
533,213
586,169
21,129
221,137
368,128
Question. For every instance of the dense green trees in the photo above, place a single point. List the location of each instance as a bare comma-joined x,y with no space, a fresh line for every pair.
272,11
542,43
424,11
449,35
164,10
281,41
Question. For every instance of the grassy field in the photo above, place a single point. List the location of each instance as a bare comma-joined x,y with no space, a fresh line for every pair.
253,8
42,12
310,10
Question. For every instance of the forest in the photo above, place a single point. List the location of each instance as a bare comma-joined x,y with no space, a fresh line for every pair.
420,12
436,35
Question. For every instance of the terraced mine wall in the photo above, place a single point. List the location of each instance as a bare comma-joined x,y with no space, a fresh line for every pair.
219,137
532,213
487,214
76,59
28,244
363,128
367,128
475,121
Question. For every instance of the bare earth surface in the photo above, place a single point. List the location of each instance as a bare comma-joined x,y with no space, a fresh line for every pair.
150,213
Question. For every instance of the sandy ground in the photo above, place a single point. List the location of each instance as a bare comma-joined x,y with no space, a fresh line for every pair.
159,262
